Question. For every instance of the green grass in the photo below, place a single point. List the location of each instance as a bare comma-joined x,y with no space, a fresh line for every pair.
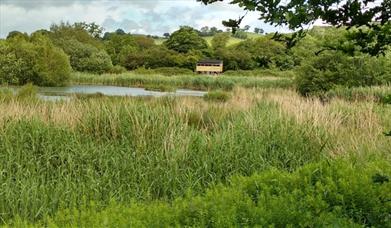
219,96
197,82
160,88
335,194
380,94
262,157
121,149
208,39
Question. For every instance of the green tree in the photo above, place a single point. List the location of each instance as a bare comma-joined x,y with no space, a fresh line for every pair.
185,39
37,61
86,57
220,40
330,69
93,29
116,43
374,19
13,34
265,52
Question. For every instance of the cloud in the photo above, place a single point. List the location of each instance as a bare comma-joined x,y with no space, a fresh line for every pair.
137,16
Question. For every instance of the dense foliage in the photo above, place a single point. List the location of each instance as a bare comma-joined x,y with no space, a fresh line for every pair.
32,60
370,16
185,40
326,71
324,59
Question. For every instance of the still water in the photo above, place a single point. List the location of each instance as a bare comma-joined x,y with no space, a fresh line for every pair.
58,93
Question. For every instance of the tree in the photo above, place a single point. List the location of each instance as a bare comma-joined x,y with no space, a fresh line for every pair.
35,60
373,19
13,34
185,39
220,40
120,32
166,35
258,31
205,31
93,29
240,34
247,28
66,31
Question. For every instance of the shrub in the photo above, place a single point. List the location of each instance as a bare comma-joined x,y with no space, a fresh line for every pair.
86,57
36,61
329,70
386,99
218,95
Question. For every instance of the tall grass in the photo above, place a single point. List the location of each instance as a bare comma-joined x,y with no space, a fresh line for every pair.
380,94
124,149
335,194
199,82
60,155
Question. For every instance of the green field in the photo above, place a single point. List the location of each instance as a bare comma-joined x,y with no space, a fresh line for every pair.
231,41
236,158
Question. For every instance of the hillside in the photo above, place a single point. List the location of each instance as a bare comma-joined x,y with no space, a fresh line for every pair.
232,40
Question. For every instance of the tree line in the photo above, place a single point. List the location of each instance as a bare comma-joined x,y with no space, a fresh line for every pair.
325,57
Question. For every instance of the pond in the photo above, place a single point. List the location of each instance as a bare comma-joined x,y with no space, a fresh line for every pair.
60,93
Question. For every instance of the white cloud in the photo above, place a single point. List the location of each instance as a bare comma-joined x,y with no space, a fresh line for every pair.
136,16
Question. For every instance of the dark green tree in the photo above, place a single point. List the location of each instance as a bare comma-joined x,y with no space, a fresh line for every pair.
185,40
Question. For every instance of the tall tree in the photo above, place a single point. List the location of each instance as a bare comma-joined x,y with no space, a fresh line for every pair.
185,39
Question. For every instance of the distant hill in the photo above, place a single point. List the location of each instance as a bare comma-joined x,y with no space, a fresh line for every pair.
232,40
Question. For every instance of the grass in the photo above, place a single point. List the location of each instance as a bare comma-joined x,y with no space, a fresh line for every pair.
208,39
171,159
380,94
219,96
160,88
310,196
197,82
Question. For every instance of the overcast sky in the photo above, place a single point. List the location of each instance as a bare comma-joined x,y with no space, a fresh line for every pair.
136,16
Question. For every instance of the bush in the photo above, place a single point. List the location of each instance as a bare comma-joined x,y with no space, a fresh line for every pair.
218,95
86,57
330,70
36,61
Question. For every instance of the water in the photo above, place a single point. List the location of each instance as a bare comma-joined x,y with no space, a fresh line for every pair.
62,93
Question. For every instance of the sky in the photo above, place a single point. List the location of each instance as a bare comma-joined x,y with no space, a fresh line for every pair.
153,17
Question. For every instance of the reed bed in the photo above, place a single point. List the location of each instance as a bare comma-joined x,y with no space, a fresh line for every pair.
198,82
356,127
62,154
